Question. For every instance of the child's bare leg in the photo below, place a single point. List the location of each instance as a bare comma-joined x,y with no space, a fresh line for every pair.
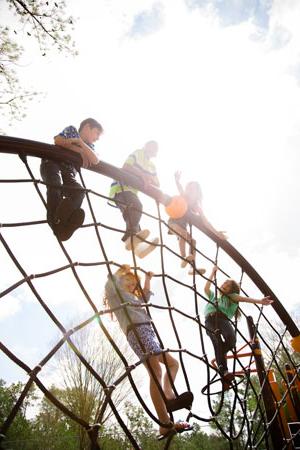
184,238
193,248
173,366
182,247
193,258
155,394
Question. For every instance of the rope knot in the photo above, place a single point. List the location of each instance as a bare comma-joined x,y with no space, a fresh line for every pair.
35,371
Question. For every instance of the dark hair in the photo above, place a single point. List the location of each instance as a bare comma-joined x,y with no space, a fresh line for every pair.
92,123
235,289
197,192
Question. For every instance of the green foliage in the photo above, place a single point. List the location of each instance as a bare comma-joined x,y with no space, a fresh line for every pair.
51,429
21,427
144,432
231,409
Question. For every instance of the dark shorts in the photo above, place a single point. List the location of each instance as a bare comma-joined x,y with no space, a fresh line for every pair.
148,338
182,222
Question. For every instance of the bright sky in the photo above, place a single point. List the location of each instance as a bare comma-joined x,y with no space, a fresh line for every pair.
217,85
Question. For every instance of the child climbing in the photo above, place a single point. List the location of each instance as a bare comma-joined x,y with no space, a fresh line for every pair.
135,322
126,199
218,314
64,193
193,197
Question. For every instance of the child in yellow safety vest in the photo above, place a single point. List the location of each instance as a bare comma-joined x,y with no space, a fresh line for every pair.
126,199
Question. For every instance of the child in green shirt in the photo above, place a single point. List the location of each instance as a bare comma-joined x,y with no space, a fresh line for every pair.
218,314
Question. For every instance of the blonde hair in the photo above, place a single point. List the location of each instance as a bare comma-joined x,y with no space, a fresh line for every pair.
124,272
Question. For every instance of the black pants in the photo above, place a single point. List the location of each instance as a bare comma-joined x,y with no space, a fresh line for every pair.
131,209
61,178
223,338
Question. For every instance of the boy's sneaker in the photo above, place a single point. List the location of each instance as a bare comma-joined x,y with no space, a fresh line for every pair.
136,239
63,212
64,231
144,249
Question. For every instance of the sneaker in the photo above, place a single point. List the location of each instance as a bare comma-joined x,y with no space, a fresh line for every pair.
199,271
136,239
187,260
227,380
64,231
63,212
184,400
144,249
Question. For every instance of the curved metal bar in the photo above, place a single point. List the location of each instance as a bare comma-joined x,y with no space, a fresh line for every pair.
25,147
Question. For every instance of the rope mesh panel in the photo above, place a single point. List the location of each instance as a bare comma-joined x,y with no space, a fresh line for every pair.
178,304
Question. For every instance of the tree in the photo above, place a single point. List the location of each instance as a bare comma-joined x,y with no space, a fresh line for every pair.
80,391
42,22
53,427
277,347
21,427
144,432
253,414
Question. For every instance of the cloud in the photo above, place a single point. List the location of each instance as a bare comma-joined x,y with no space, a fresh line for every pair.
233,12
9,307
148,21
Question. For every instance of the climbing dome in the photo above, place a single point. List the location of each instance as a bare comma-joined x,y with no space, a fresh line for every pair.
262,404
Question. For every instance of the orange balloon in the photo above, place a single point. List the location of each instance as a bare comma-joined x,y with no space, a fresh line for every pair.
177,207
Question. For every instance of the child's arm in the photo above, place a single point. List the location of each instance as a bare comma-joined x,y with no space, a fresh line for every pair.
146,178
263,301
77,145
210,279
146,289
177,176
208,225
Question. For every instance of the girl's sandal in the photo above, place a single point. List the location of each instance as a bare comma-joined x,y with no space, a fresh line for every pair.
178,427
181,427
166,435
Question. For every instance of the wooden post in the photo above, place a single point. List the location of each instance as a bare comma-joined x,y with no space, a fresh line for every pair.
275,428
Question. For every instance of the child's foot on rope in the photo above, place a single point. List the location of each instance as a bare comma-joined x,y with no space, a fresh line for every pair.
144,249
136,239
227,379
184,400
64,231
178,427
187,260
63,212
200,271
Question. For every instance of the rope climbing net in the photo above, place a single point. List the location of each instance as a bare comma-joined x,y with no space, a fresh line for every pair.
263,400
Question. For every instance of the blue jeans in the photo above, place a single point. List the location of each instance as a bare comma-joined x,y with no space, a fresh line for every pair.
222,335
